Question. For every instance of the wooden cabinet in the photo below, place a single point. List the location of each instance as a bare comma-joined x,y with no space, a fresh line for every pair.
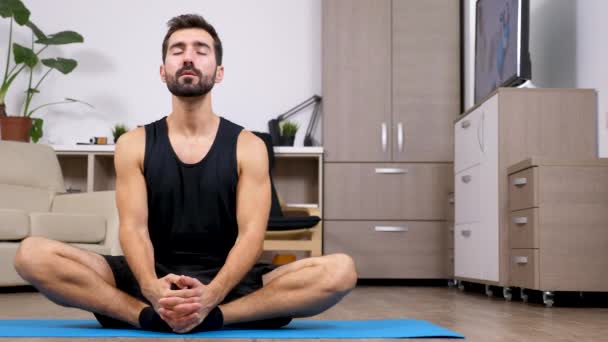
391,80
558,224
357,80
426,79
391,86
509,126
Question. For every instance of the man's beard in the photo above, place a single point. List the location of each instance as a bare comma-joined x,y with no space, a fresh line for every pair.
186,87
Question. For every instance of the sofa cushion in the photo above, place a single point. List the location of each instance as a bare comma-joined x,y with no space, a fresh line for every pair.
14,225
25,198
79,228
30,165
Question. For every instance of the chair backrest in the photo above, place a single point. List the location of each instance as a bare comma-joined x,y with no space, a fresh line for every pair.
30,175
275,205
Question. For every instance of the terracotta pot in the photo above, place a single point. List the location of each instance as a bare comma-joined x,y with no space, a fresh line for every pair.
15,128
2,109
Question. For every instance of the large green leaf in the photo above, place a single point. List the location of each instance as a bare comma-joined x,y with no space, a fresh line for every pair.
37,31
60,38
36,131
15,9
24,55
64,65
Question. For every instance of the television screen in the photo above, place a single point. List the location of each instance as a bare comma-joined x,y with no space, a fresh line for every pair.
501,48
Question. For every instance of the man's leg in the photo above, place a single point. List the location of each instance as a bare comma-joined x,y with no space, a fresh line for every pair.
73,277
300,289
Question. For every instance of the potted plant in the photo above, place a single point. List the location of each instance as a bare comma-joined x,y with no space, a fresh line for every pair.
16,12
119,129
288,133
22,127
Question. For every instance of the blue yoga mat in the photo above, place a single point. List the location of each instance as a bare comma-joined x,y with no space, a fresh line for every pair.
302,329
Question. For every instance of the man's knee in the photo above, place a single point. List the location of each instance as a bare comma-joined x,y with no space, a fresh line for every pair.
33,255
342,273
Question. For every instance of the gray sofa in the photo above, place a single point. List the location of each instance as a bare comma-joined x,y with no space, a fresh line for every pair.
33,203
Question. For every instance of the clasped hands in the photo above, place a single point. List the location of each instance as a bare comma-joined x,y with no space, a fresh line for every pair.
185,305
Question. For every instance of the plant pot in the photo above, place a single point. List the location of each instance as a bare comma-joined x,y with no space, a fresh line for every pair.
15,128
287,140
2,110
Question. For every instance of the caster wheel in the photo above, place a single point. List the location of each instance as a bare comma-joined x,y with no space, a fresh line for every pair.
548,299
523,295
452,283
507,294
488,291
461,286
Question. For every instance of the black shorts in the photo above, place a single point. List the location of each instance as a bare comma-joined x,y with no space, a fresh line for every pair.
126,282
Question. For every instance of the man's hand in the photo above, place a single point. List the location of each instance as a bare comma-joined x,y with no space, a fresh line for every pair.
161,288
176,308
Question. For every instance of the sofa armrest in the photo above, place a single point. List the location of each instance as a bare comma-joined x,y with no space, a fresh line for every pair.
95,203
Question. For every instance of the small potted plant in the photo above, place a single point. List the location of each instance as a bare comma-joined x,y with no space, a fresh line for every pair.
118,130
288,133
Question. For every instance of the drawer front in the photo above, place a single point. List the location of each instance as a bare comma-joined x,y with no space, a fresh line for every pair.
522,189
523,229
467,196
466,264
396,249
476,252
524,268
386,191
467,141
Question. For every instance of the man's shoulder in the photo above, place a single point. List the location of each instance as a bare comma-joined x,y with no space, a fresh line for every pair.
132,143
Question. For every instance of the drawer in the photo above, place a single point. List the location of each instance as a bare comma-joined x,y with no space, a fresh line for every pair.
401,191
467,141
523,189
466,264
467,200
449,235
524,270
523,229
396,249
475,252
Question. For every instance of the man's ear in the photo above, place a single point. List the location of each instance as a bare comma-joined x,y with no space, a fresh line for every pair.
163,75
219,76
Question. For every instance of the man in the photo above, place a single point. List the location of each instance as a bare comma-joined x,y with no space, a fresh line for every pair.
193,195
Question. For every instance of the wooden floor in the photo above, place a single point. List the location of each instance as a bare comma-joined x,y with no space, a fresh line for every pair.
479,318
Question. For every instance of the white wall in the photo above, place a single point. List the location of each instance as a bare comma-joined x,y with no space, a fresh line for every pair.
272,59
592,59
567,47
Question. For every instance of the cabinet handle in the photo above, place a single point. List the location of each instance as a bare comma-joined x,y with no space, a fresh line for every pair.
481,133
466,232
466,178
451,199
521,260
390,171
390,229
519,182
465,124
400,136
384,136
520,220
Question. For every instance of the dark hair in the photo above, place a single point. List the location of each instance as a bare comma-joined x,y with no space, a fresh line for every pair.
186,21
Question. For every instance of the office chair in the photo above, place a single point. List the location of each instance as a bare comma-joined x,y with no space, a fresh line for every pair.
290,229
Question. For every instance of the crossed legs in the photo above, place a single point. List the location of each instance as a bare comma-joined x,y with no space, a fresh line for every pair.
73,277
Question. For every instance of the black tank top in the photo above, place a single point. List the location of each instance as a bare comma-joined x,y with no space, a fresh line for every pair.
191,207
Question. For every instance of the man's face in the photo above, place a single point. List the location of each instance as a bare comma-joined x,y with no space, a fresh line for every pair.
190,68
